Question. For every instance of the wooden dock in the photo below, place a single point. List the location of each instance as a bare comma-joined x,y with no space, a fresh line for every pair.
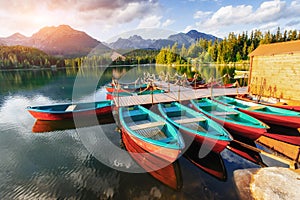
176,93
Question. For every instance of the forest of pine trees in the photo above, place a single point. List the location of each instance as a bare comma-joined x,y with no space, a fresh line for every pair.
233,48
19,57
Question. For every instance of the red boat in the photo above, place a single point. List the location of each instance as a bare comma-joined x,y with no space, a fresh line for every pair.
265,113
69,110
151,132
284,105
215,84
233,120
196,126
168,174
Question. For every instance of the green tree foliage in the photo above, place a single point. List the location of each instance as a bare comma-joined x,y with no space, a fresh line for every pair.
14,57
233,48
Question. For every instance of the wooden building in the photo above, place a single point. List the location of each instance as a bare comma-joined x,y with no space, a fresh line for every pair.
275,71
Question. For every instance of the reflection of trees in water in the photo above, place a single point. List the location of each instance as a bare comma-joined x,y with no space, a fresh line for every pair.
60,81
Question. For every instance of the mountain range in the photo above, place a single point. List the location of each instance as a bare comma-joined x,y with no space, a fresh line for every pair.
65,41
137,42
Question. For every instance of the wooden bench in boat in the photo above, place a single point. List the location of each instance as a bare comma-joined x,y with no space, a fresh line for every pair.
189,120
223,113
146,125
70,108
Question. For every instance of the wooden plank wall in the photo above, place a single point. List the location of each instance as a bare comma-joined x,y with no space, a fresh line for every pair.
276,76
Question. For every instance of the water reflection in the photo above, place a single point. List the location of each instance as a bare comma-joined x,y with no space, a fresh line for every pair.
41,126
169,175
212,163
246,153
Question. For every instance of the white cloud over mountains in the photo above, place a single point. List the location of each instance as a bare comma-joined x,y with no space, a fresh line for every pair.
32,15
267,15
105,18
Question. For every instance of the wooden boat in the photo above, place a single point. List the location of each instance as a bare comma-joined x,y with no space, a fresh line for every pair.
284,105
211,164
68,110
125,88
204,130
160,169
233,120
265,113
216,84
151,132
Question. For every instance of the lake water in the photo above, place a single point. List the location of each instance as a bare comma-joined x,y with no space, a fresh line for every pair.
62,162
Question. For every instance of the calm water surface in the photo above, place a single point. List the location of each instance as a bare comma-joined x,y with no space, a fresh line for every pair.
57,164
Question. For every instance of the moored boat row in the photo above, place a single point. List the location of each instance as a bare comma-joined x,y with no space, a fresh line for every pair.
265,113
160,134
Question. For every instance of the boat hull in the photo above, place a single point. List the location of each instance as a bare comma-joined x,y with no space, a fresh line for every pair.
284,106
69,115
168,154
288,121
168,174
245,131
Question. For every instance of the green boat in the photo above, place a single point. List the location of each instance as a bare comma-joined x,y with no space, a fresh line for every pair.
197,125
151,132
265,113
232,119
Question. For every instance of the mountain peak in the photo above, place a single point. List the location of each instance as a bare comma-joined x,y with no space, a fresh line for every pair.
64,40
135,37
16,36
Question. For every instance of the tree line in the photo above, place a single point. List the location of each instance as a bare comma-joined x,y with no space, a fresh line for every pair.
15,57
233,48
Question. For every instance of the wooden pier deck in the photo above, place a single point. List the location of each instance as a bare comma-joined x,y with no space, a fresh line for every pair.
176,93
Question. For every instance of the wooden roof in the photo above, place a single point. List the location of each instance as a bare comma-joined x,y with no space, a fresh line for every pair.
276,48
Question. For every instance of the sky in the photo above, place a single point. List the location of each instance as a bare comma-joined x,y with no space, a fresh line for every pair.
108,19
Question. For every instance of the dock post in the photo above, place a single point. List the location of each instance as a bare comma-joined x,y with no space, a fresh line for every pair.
211,87
179,93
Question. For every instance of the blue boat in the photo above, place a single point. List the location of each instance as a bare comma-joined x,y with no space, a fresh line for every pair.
151,132
232,119
197,125
265,113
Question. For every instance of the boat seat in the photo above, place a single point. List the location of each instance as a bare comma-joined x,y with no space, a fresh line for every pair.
70,108
223,113
146,125
256,108
171,109
189,120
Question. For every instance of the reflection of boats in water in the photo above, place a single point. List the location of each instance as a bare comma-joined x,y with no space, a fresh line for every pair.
167,173
246,153
212,163
47,126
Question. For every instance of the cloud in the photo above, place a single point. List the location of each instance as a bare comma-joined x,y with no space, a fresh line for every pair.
293,23
167,23
228,15
201,14
188,28
270,11
77,13
150,22
267,15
